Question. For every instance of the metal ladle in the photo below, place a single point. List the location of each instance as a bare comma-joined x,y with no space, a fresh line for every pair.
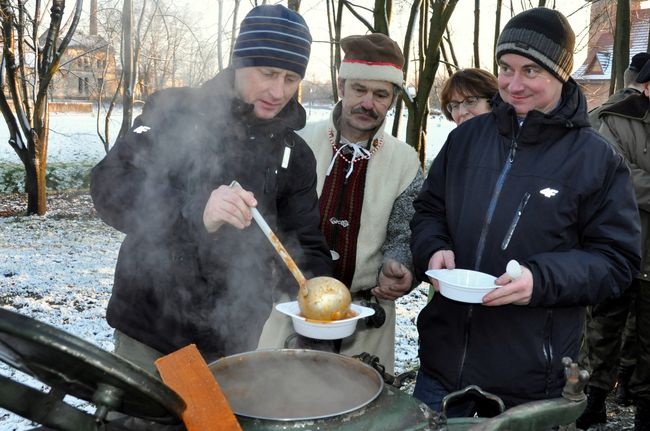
319,298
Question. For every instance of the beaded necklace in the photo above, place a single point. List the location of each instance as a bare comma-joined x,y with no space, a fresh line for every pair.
358,152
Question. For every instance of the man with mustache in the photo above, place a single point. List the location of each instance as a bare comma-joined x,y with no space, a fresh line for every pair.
367,180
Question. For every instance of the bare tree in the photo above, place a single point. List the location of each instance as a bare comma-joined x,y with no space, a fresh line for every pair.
29,63
128,67
220,34
382,16
621,45
497,31
159,49
439,13
477,20
335,23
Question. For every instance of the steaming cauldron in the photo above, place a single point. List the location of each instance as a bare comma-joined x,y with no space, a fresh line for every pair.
273,390
72,366
308,389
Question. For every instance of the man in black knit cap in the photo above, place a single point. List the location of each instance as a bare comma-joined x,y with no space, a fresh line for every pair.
530,181
630,87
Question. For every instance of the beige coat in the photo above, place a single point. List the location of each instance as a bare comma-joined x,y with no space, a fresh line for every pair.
393,170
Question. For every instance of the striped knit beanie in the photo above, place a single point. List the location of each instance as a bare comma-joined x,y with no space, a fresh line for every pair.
373,57
273,36
542,35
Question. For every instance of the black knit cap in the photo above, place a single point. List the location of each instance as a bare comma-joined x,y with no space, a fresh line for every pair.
273,36
638,61
644,73
542,35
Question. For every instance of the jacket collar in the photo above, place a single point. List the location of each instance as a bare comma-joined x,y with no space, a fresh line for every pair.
570,114
634,106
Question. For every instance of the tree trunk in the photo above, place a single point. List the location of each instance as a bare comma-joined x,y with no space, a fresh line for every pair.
128,68
416,9
220,35
382,16
497,32
26,113
441,11
621,45
477,20
334,21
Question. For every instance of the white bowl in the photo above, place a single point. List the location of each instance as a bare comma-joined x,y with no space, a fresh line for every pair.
322,330
463,285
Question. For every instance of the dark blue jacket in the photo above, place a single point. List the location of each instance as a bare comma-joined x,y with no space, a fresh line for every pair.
551,194
175,283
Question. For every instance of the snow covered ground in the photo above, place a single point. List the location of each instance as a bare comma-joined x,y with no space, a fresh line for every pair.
59,268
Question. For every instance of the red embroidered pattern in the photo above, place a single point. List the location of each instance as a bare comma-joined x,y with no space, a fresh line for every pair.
342,200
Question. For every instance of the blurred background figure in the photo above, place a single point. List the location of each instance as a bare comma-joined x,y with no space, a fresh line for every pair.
630,87
626,125
609,348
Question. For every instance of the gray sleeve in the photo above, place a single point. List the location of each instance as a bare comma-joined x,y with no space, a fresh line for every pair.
398,233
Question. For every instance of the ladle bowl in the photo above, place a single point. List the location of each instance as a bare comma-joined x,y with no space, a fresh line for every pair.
319,298
324,298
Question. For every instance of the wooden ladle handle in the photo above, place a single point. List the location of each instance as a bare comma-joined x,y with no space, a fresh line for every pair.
275,242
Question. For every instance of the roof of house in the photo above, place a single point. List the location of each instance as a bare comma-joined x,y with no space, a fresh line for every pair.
598,64
80,40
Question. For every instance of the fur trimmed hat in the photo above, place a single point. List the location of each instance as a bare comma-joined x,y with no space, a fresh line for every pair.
542,35
373,57
273,36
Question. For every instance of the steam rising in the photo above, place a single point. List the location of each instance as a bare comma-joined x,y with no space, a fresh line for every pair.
175,283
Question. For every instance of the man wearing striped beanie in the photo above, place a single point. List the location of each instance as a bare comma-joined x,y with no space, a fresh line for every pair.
273,36
192,269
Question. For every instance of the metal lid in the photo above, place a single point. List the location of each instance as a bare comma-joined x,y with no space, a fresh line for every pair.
295,384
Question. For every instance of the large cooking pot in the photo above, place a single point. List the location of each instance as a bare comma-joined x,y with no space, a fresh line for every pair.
274,390
295,384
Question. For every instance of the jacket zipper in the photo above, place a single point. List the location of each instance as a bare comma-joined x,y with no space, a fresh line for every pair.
515,221
547,348
465,344
493,203
481,244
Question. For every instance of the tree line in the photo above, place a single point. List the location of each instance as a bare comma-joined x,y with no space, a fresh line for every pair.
157,46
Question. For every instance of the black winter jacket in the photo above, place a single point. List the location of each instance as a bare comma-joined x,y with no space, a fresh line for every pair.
175,283
551,194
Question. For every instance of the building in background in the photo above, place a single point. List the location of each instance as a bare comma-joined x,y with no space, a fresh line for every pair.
594,74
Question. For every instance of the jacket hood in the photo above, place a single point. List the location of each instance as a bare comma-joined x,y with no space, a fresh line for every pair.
633,107
214,91
570,114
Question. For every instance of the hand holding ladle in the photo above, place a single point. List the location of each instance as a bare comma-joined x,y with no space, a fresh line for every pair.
319,298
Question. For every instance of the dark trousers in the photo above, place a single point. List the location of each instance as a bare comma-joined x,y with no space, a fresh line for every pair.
603,337
604,334
640,381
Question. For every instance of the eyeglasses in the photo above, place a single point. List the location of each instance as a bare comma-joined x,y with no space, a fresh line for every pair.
468,103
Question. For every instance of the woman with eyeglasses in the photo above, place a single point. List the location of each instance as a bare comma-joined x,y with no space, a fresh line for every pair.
467,93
